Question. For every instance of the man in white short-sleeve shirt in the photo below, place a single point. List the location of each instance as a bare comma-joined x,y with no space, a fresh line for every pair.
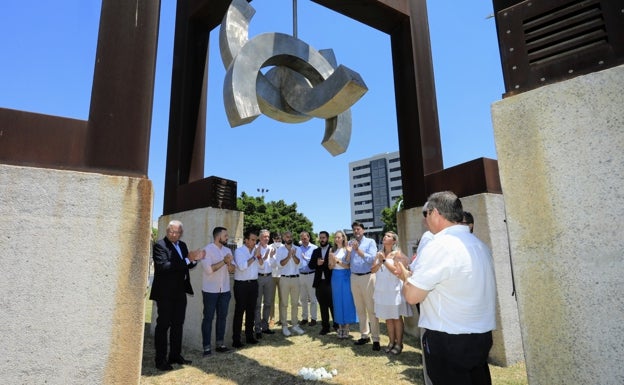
453,280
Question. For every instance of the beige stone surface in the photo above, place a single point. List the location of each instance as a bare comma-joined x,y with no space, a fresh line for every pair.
75,248
561,161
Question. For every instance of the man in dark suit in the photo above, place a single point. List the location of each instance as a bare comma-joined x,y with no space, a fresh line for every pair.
172,283
319,262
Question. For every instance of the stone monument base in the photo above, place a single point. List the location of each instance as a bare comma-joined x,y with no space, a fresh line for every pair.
75,249
561,160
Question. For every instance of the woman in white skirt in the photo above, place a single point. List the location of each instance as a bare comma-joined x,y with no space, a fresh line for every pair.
390,303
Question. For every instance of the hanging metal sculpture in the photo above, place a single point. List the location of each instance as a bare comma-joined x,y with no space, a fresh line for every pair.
302,84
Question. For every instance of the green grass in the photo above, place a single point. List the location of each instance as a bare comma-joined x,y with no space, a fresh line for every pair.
277,360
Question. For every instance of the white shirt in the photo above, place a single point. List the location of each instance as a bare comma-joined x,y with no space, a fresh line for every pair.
244,271
217,281
340,255
276,267
424,240
457,270
290,268
269,262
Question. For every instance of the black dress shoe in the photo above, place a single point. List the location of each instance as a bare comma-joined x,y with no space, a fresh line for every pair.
323,332
164,366
303,322
313,322
362,341
268,331
376,346
237,344
258,335
180,360
222,349
252,341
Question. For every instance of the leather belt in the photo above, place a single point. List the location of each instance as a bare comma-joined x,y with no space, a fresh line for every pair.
264,275
311,272
362,273
290,276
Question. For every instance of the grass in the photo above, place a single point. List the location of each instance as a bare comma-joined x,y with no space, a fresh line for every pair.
278,359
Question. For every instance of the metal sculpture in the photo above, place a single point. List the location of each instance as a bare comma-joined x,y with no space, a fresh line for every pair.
303,83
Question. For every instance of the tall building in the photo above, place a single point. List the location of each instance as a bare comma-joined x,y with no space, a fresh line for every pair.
375,183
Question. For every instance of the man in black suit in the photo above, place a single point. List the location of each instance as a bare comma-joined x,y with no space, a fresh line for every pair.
319,262
172,283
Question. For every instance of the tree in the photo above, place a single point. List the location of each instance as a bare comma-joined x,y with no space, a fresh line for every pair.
389,214
274,216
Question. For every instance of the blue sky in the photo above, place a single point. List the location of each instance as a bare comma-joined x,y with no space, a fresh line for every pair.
48,53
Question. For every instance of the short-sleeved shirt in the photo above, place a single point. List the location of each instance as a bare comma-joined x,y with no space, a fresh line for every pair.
457,270
215,281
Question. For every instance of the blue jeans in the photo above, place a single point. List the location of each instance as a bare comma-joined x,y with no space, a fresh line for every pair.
214,302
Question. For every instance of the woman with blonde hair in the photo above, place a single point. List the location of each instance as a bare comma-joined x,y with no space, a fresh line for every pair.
390,303
344,307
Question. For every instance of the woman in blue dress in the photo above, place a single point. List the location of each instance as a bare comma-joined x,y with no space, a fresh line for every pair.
344,307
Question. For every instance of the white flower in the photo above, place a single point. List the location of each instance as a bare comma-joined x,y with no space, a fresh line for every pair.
316,374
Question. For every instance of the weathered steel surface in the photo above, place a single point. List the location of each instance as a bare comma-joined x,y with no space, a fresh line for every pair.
547,42
115,138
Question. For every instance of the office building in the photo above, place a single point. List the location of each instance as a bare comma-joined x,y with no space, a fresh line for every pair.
375,183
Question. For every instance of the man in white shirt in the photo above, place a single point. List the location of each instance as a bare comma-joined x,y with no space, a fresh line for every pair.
216,294
454,281
288,259
277,243
266,285
307,294
247,259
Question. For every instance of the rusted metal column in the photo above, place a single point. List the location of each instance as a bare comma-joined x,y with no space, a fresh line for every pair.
419,132
120,116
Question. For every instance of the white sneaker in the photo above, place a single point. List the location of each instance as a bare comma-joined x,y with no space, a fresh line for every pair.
286,331
298,330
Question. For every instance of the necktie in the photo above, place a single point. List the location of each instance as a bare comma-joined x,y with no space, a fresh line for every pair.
177,247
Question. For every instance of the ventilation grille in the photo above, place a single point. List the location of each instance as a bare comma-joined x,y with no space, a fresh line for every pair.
573,28
542,42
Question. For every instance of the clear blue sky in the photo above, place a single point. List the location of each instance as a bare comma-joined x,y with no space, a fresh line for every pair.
48,52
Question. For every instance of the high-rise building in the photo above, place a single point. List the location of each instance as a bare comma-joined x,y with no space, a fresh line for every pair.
375,183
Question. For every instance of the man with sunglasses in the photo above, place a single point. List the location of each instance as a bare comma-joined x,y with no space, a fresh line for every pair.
454,281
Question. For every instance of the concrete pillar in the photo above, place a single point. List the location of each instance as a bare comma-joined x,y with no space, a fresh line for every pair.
75,249
561,161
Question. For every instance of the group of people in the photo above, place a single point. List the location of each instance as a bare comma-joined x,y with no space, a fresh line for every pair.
451,277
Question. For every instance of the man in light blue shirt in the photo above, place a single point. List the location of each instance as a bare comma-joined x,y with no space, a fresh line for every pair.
362,253
307,294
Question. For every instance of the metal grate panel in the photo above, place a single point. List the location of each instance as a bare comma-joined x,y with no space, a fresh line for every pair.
542,42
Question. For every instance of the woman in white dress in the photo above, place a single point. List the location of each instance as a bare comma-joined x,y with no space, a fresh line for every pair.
390,303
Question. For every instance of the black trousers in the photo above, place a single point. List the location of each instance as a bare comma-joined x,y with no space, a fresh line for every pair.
458,359
324,298
171,312
245,295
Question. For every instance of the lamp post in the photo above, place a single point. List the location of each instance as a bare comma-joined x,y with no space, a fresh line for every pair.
262,190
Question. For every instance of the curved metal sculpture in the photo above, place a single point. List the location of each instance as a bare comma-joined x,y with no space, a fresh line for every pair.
303,83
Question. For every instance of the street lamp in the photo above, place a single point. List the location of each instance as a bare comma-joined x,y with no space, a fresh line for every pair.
262,190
